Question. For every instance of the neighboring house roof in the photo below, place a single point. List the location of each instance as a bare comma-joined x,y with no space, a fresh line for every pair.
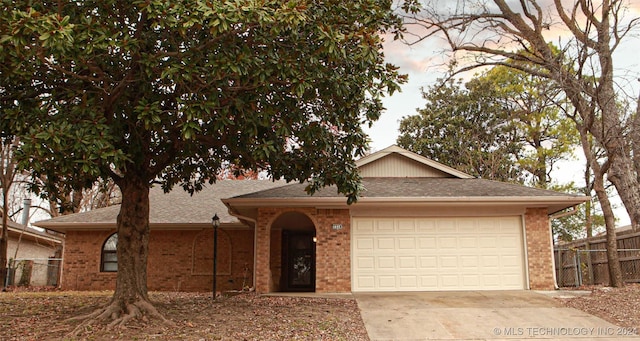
31,234
168,210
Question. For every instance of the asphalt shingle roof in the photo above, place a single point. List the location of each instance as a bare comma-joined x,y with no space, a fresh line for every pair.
177,206
415,188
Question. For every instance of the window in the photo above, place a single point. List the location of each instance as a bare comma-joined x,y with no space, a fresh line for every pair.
109,257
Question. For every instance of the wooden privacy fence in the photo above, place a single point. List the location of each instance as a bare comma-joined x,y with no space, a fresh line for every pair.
584,262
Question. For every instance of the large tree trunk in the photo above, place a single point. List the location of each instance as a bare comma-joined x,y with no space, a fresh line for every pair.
599,171
615,271
130,299
133,243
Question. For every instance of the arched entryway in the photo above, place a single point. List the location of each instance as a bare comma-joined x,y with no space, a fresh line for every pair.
293,235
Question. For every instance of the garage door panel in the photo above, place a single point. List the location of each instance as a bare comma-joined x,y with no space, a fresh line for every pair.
363,226
445,225
365,263
428,281
448,262
406,226
491,280
492,261
450,282
426,226
510,261
385,225
366,283
386,263
406,243
410,254
467,226
511,280
428,262
468,243
364,243
408,281
488,242
387,282
471,281
407,262
427,243
469,261
447,243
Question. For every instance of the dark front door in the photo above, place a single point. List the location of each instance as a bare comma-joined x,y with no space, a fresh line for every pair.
299,261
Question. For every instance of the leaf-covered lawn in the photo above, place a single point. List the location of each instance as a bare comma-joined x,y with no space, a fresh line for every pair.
43,316
620,306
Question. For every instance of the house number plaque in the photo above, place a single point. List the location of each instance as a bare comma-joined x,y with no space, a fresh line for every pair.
336,226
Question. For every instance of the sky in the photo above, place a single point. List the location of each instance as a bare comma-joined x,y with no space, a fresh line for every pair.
424,64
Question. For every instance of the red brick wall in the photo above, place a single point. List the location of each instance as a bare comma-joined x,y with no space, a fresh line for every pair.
178,260
182,260
539,253
333,260
333,251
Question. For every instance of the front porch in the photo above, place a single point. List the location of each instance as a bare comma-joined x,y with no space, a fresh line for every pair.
288,259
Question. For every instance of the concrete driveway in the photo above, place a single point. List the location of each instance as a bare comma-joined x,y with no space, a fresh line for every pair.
477,315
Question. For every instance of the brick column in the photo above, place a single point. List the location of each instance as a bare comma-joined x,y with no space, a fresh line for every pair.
539,252
333,251
263,249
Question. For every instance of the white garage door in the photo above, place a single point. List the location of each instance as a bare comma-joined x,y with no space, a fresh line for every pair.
422,254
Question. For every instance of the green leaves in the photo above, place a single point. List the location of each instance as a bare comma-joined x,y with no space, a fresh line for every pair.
179,87
501,125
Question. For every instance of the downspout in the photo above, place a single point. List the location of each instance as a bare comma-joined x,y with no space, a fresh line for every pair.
551,217
255,238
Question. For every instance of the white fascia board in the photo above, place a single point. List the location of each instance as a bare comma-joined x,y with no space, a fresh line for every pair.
537,201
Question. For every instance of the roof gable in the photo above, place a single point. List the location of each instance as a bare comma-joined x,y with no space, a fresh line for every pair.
396,162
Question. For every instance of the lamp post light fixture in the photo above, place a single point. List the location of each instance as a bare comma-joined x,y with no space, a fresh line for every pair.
215,221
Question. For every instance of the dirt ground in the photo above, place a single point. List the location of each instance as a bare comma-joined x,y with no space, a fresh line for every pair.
43,316
620,306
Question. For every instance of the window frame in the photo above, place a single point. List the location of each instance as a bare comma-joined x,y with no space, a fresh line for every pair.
110,253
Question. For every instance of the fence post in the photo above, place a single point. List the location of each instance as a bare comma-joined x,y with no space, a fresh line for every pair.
560,268
587,246
578,268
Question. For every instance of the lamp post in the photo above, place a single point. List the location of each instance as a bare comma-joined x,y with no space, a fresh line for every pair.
215,221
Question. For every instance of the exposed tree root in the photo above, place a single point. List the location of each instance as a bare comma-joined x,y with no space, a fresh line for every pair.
115,316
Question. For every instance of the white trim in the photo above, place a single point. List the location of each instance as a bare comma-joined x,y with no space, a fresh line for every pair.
526,252
552,203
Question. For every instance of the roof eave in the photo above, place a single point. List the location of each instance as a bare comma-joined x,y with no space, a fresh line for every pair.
86,226
53,239
555,203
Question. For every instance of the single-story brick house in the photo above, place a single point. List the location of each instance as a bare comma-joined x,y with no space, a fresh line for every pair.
418,226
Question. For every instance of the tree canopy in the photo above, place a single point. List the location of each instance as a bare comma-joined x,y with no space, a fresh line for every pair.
167,92
173,89
501,125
